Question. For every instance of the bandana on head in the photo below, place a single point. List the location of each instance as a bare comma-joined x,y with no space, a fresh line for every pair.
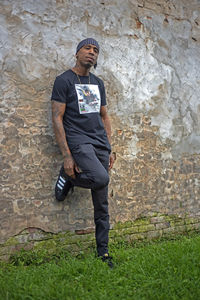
88,41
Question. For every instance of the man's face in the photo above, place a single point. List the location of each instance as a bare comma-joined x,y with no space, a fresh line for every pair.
87,55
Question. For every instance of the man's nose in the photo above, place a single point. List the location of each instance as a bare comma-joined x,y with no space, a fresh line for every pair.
91,51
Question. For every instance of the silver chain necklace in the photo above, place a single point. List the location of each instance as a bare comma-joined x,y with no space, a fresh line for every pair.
80,80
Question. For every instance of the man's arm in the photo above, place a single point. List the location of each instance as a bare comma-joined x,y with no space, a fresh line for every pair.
107,126
58,110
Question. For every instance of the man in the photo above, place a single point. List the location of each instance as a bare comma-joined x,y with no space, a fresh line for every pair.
83,132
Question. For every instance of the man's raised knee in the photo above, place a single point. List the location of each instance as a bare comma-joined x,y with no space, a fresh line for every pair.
101,181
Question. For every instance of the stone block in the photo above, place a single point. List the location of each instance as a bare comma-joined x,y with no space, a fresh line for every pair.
177,222
156,220
191,221
142,221
192,227
168,231
84,231
154,234
146,228
130,230
180,229
137,237
162,225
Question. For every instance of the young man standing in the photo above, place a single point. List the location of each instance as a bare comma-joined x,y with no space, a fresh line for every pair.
83,132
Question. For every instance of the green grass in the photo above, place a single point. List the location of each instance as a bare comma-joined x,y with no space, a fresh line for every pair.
156,270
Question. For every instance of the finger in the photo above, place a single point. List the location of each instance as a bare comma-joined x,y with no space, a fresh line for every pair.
77,169
73,176
110,164
70,173
114,155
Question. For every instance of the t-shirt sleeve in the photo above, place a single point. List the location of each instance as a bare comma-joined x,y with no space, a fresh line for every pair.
59,92
103,93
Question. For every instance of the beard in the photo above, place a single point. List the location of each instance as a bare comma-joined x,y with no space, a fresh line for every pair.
87,65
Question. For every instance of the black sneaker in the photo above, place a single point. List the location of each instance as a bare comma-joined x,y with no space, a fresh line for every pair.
107,259
63,186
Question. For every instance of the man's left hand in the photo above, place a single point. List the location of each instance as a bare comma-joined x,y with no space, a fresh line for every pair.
112,159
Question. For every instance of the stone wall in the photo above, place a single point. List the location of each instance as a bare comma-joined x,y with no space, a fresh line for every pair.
150,63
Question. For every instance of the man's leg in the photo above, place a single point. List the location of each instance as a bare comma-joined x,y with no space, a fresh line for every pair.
100,202
101,219
95,176
92,176
93,173
93,163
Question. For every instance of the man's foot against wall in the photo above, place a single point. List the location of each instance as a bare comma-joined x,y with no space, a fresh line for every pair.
63,186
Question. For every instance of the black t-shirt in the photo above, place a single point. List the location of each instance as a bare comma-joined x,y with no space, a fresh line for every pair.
82,121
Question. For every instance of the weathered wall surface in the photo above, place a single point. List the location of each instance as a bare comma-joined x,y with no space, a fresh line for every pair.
150,62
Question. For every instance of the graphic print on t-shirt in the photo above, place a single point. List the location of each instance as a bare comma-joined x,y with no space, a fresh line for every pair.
89,99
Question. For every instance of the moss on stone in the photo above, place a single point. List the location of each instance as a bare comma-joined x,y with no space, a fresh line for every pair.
191,220
177,222
190,227
137,236
12,241
140,229
123,231
130,230
142,221
121,225
146,228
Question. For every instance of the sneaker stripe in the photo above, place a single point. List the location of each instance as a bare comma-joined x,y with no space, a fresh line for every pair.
61,187
62,179
61,183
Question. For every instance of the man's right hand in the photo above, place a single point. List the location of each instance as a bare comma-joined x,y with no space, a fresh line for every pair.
70,166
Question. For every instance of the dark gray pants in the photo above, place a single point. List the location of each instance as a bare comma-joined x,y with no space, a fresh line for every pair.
94,163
